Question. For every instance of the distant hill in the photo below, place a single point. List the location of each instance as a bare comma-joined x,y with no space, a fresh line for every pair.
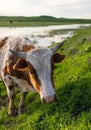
20,21
43,18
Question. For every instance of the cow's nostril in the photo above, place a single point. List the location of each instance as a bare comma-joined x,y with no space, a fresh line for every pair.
49,99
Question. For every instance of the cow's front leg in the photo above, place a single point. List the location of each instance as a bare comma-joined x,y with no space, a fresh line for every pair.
11,94
22,103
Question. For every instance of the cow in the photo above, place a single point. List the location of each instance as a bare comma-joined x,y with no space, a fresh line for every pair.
29,68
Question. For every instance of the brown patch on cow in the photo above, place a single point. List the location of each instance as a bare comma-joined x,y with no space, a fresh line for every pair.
35,82
27,48
27,72
34,77
20,70
9,68
9,63
21,64
3,42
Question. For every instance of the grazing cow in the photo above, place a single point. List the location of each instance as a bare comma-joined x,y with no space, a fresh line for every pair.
29,68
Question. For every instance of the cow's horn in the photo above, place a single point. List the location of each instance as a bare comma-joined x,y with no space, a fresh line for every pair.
55,48
18,54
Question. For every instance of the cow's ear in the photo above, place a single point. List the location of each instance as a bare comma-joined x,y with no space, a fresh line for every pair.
57,58
20,65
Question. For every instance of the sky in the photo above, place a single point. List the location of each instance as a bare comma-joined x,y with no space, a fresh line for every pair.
56,8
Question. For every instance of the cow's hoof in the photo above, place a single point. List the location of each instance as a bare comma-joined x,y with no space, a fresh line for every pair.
21,111
12,112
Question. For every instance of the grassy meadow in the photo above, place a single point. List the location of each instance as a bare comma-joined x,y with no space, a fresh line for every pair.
73,87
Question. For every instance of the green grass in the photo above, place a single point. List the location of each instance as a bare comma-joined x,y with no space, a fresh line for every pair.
73,87
27,24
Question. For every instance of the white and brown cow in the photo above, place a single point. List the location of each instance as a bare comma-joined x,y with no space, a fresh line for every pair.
29,68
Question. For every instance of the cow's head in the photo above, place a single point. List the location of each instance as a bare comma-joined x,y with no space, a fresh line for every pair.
39,64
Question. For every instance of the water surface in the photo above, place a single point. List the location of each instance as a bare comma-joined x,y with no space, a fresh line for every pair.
40,35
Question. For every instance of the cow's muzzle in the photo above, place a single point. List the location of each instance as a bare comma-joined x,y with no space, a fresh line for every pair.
49,99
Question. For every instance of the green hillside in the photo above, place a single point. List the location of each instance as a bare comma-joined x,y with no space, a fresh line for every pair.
38,21
73,87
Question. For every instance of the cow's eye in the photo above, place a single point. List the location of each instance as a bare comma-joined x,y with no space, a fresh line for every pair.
31,73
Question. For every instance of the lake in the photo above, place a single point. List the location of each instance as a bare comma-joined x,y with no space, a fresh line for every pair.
41,36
